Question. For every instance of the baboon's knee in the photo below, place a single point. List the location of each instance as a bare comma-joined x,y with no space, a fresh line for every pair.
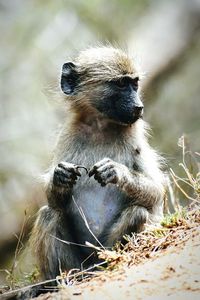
139,218
132,219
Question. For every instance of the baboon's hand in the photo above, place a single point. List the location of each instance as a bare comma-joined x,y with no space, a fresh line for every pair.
108,171
65,175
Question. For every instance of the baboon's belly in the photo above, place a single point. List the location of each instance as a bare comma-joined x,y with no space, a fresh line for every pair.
100,206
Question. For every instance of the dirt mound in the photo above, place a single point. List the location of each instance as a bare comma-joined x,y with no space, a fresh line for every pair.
161,264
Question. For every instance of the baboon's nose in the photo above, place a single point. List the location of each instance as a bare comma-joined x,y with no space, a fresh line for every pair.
138,110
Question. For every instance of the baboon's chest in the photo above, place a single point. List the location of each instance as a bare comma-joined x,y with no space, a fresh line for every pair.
97,206
93,205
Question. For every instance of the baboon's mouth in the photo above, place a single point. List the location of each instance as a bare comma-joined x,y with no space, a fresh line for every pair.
130,122
135,119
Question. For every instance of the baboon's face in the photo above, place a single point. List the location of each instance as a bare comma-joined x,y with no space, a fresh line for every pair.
119,100
116,99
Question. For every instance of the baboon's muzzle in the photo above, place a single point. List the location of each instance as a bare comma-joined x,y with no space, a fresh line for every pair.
129,113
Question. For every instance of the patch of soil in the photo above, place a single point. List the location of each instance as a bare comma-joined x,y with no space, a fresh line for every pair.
169,268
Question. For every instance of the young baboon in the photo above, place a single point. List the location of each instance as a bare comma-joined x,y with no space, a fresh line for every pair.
105,133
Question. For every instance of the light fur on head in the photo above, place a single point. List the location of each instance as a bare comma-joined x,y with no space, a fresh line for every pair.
104,63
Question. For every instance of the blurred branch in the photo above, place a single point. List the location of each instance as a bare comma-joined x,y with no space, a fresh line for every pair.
163,40
155,81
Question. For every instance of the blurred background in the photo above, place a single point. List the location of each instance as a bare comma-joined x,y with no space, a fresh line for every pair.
37,37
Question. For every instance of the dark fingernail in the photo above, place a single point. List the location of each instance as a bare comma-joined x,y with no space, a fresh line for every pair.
82,167
91,173
78,173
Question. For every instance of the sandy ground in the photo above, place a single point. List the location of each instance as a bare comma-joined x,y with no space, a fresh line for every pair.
173,273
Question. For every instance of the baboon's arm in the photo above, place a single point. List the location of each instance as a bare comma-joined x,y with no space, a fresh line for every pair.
60,183
145,191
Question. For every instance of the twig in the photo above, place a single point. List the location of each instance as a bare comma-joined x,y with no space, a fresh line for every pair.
86,223
184,193
19,247
82,263
68,242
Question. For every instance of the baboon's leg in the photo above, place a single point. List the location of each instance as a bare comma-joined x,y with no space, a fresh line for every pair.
52,254
132,219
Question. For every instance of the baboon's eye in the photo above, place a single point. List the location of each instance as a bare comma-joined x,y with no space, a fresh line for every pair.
125,82
122,83
135,82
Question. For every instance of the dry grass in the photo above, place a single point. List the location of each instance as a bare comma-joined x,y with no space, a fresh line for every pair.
175,229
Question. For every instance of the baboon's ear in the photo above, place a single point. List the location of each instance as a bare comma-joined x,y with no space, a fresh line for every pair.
69,78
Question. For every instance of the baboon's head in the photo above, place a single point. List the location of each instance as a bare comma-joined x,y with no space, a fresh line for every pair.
103,80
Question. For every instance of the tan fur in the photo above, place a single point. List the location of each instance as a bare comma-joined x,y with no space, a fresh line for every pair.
104,63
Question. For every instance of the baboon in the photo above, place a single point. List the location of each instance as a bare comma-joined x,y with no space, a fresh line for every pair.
105,133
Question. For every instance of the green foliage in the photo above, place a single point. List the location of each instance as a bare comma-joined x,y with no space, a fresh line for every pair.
175,219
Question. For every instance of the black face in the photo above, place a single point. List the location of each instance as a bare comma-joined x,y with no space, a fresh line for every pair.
120,101
116,99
